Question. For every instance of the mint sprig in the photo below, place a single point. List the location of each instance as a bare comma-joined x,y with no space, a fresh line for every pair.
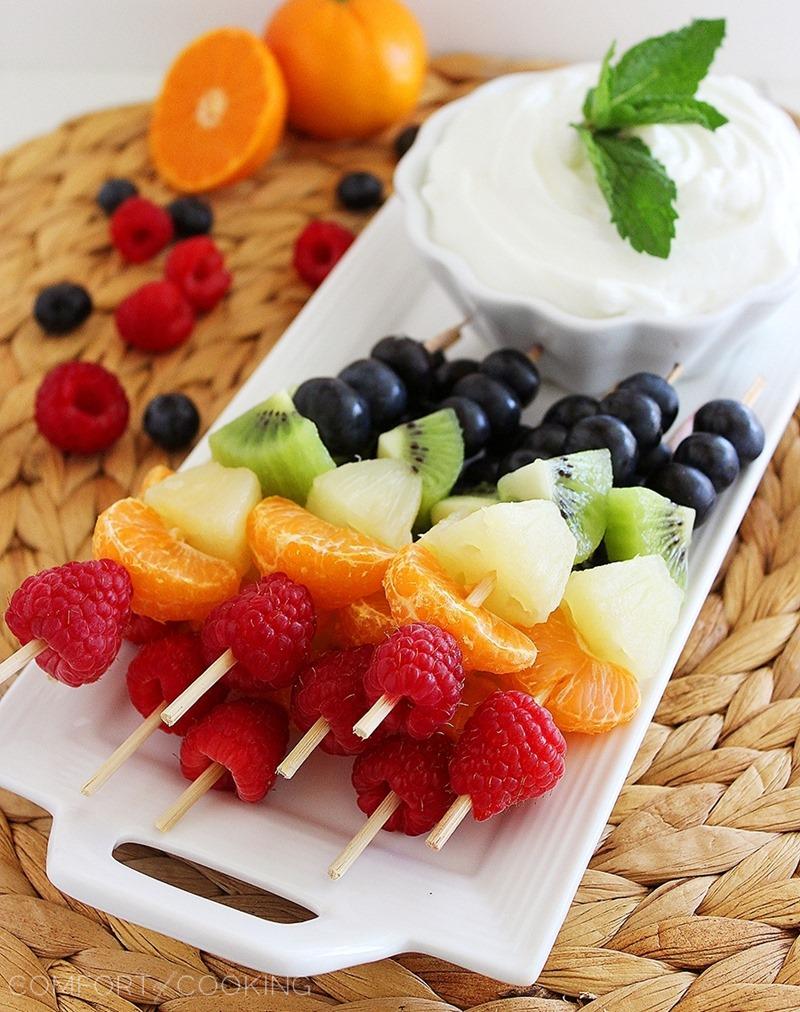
654,82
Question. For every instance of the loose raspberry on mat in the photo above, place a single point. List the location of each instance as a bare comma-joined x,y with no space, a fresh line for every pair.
332,686
141,629
156,317
80,610
319,247
162,670
418,771
270,628
197,267
510,751
140,229
420,664
246,736
81,407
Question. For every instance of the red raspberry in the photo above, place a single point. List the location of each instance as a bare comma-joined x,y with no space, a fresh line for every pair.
269,626
156,317
510,751
140,229
247,736
332,686
81,407
417,771
319,248
80,610
162,670
141,629
197,267
420,663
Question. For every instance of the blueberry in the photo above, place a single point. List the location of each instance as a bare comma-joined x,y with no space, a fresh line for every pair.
190,216
736,422
662,392
686,486
474,423
381,388
113,192
405,139
571,409
478,475
546,440
171,421
714,455
654,459
411,361
515,369
640,413
340,414
606,431
501,405
61,308
451,371
360,191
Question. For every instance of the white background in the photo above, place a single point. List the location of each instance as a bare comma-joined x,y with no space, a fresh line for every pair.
59,58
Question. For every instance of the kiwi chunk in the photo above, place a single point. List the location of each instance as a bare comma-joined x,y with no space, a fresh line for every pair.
433,448
577,483
276,442
642,522
460,505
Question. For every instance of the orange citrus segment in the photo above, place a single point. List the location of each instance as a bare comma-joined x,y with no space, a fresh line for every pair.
172,581
156,474
220,113
478,686
337,565
418,589
365,622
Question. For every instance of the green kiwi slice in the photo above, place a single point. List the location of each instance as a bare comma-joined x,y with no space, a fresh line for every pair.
642,522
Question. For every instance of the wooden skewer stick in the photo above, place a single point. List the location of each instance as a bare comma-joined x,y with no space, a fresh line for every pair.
365,835
757,388
534,353
675,373
303,749
17,661
199,687
449,822
482,590
121,755
442,341
192,794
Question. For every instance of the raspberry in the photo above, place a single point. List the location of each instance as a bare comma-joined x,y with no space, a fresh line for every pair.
246,736
319,248
415,770
156,317
140,229
162,670
197,267
80,611
510,751
332,686
420,663
269,626
141,629
81,407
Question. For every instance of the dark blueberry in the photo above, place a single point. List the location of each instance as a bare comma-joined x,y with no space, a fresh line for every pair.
571,409
736,422
405,139
451,371
381,388
501,405
686,486
113,192
714,455
515,369
359,191
478,475
61,308
545,440
190,216
606,431
662,392
474,423
640,413
340,414
171,421
654,459
411,360
437,359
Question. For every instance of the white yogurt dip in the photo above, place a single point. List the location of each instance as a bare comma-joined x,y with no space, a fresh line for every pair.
510,188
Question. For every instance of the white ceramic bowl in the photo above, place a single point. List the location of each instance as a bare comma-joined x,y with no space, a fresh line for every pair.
580,354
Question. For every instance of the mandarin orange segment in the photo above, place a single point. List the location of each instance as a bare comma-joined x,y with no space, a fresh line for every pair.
338,565
366,622
172,581
419,590
478,686
154,476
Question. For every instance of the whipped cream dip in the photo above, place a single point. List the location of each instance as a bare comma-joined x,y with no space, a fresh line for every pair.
509,188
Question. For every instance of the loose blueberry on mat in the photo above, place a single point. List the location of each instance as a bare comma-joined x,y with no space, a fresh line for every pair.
113,192
501,405
478,474
545,441
571,409
340,414
405,139
515,370
171,421
606,431
714,455
640,413
736,422
685,486
451,371
475,427
61,308
190,216
662,392
410,360
656,458
360,191
381,388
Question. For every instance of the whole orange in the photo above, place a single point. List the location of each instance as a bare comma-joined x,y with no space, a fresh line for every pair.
351,67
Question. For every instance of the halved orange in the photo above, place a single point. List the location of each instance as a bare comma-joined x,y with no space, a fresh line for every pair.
172,582
221,111
365,623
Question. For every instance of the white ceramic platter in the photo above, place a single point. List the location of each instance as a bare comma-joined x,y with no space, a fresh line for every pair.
494,899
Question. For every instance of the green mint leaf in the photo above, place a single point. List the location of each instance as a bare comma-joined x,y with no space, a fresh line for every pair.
665,110
598,99
637,189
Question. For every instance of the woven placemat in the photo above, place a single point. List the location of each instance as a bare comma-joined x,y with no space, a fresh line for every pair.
691,901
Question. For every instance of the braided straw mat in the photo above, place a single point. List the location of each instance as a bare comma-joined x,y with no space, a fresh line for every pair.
692,900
